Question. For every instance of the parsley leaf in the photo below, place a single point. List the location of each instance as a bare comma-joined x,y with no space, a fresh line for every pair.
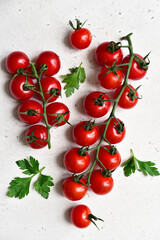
31,166
19,187
133,164
42,185
73,79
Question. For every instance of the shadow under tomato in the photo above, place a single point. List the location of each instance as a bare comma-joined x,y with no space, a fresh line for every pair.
67,215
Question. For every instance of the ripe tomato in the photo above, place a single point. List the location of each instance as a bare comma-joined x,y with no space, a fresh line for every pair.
52,61
28,112
73,190
16,60
110,161
34,132
57,113
111,80
50,87
101,184
128,98
85,133
107,53
80,39
75,160
18,88
96,105
136,72
80,216
115,132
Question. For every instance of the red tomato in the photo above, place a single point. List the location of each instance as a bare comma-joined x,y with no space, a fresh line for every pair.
95,104
114,135
75,160
136,71
80,216
17,88
85,137
104,56
110,161
128,98
36,131
50,84
80,38
110,81
73,190
101,184
32,109
16,60
52,61
60,111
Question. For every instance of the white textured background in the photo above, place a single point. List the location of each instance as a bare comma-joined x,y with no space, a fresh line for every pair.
131,210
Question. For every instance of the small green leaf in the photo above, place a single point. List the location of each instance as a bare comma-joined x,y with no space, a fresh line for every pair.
30,167
42,185
19,187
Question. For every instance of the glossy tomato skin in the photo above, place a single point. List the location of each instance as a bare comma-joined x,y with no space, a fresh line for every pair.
93,109
74,162
72,190
112,134
109,161
80,216
25,106
16,60
110,81
83,137
125,100
80,39
100,184
104,57
17,90
47,84
136,73
52,61
39,131
57,107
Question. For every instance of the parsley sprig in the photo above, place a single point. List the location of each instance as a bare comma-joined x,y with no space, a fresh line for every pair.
19,187
133,164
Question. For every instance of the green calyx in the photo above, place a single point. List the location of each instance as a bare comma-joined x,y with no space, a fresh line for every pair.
60,117
83,151
100,100
119,127
113,47
93,218
132,93
106,173
30,112
143,64
77,179
89,125
79,24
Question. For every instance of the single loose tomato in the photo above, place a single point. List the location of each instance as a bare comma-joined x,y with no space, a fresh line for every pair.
20,89
76,160
107,53
74,190
16,60
129,97
101,184
57,114
110,159
51,88
96,104
80,216
52,61
85,133
36,136
110,80
115,131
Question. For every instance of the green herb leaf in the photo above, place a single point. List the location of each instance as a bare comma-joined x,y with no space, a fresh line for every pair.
73,79
19,187
148,168
30,167
42,185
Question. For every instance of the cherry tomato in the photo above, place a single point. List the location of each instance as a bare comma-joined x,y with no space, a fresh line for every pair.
81,38
104,56
110,161
136,72
31,108
75,160
115,132
128,98
60,113
80,216
101,184
95,104
16,60
50,84
52,61
36,131
73,190
85,137
111,80
17,88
